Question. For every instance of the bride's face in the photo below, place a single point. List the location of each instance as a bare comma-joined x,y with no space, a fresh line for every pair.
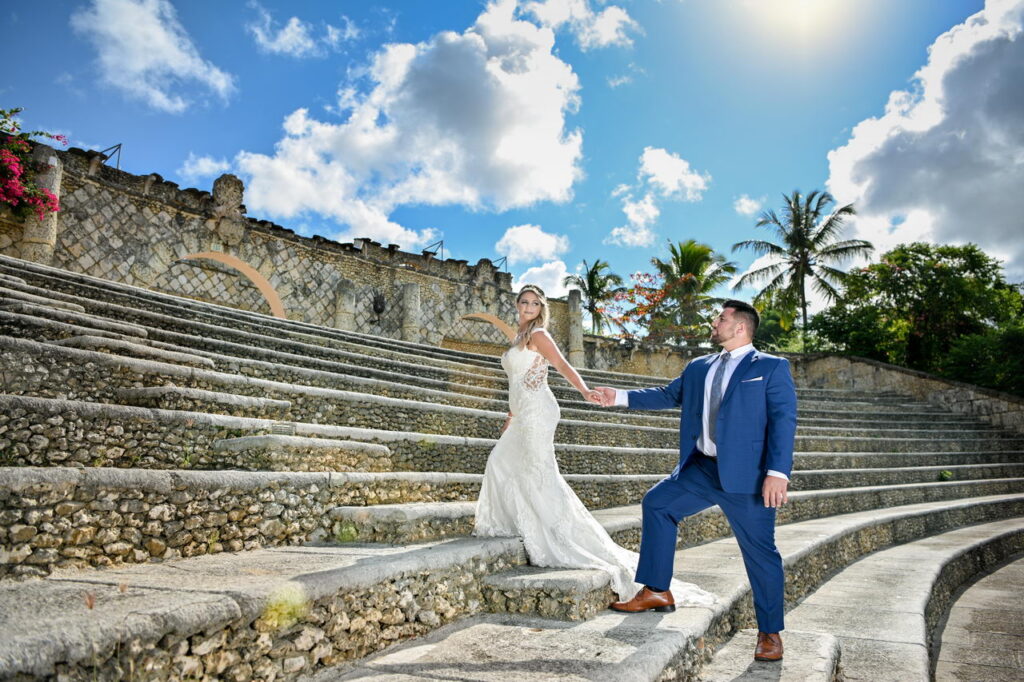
529,306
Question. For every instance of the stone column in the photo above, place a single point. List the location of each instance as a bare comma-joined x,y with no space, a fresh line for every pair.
345,306
40,236
411,313
577,357
228,221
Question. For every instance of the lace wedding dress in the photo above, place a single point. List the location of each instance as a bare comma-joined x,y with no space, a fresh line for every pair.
524,494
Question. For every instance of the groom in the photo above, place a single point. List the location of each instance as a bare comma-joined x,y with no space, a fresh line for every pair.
736,435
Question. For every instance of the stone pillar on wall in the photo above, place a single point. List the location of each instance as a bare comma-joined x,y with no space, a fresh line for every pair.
411,314
40,236
345,306
577,357
228,221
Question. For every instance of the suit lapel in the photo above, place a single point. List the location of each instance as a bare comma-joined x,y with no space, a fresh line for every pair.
737,375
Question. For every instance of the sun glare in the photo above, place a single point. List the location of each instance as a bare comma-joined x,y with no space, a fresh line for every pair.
805,20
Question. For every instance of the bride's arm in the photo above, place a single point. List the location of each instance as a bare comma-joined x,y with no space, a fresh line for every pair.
547,347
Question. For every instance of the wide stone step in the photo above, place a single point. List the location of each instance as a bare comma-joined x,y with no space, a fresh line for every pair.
410,372
823,479
10,296
11,279
560,593
867,460
103,344
886,608
658,646
300,381
296,453
71,367
272,613
973,640
171,397
47,432
809,657
398,523
67,316
27,326
402,523
64,517
188,320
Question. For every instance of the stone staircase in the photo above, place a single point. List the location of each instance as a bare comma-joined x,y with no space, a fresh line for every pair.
189,491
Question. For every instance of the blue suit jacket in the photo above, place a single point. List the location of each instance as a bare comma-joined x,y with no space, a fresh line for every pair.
756,422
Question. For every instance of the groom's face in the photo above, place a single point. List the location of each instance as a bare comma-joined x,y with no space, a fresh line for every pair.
723,327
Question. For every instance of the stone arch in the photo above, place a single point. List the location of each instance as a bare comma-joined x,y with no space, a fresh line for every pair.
251,273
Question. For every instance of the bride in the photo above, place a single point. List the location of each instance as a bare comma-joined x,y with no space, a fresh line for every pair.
523,492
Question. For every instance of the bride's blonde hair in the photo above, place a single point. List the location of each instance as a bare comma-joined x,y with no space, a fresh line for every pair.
539,322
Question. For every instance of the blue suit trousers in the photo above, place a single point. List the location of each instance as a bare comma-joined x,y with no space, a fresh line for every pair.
695,488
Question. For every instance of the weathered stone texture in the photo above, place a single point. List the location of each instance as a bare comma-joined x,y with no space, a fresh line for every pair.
834,371
137,229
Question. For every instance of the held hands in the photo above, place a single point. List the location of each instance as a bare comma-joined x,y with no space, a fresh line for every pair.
603,396
774,491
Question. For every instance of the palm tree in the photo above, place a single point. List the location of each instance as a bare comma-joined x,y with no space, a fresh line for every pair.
807,248
691,272
596,287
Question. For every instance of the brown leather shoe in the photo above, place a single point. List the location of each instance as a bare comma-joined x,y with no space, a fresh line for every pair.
769,647
647,600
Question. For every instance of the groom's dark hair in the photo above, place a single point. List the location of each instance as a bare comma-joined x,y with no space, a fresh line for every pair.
747,311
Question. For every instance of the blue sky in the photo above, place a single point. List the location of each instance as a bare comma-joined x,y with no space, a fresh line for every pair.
551,131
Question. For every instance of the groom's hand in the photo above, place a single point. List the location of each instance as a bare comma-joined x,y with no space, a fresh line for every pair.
606,396
774,491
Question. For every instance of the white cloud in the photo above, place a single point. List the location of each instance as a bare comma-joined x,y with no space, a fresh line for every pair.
526,243
747,206
619,81
548,277
641,213
338,35
672,176
296,37
945,161
661,174
197,167
474,118
144,50
631,235
611,26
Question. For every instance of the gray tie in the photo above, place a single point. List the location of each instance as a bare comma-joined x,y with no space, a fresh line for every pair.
716,394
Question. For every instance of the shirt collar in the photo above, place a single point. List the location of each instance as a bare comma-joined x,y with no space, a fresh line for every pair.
738,353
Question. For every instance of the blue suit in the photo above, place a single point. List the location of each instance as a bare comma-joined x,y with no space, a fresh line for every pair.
755,432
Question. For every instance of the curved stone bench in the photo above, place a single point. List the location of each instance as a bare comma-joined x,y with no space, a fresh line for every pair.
885,608
981,637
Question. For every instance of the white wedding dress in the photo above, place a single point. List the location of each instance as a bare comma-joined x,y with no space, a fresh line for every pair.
524,494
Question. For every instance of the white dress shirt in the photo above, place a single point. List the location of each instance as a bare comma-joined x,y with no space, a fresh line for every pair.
704,442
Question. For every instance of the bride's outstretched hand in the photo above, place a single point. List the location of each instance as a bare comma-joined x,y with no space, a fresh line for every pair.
595,396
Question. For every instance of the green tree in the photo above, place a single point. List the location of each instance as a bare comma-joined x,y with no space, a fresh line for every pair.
985,359
691,272
808,248
913,306
597,288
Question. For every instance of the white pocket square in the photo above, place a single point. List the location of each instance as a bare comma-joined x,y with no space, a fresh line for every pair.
746,381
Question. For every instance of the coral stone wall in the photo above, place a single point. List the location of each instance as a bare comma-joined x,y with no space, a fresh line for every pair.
10,234
139,230
836,371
